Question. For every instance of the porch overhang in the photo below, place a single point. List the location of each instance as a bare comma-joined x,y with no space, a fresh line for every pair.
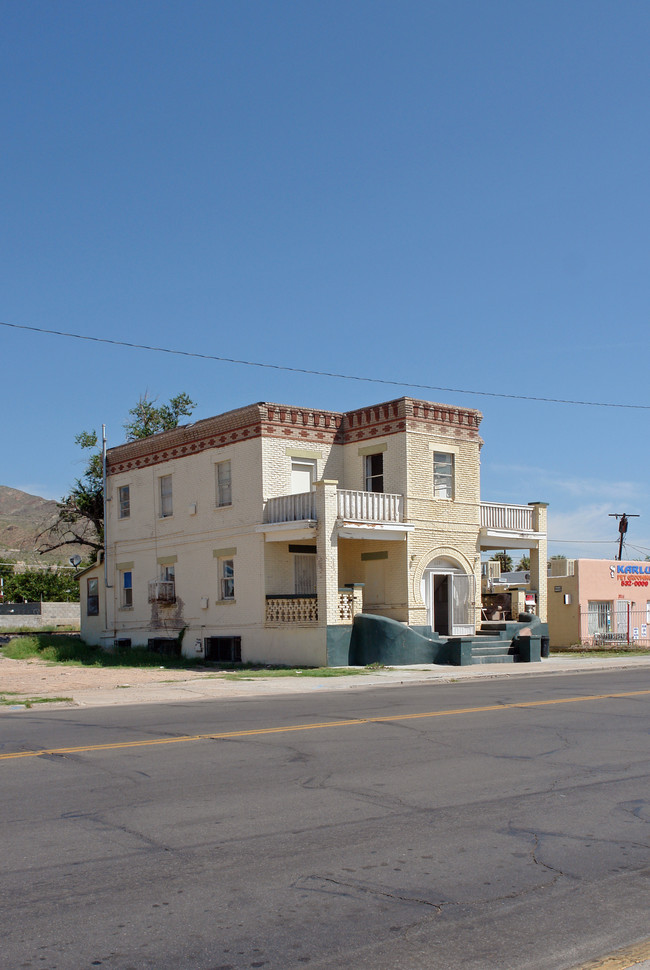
509,539
384,531
288,531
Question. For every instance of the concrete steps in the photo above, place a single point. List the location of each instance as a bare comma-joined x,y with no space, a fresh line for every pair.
491,652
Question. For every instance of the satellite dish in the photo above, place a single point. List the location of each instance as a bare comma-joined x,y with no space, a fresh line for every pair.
74,561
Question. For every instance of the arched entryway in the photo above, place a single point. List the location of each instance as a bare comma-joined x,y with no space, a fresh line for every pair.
449,594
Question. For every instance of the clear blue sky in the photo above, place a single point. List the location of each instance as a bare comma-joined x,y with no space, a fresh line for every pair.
446,193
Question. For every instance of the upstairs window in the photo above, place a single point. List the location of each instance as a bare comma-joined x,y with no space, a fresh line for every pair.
124,496
443,475
374,472
126,589
92,597
224,484
166,507
226,579
167,573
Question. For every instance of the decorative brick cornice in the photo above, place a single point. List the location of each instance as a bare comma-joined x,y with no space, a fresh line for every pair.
300,424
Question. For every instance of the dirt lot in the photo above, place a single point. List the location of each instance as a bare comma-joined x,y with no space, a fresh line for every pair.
38,678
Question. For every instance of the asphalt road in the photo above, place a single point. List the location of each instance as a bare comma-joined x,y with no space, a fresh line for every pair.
491,825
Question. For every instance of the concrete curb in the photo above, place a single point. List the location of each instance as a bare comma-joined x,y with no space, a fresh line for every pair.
213,688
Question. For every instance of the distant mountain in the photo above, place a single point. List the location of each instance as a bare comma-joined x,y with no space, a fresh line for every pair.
22,518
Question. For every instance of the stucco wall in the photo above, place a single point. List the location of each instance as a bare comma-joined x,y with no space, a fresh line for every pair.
594,580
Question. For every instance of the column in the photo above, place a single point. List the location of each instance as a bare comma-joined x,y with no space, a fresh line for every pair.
539,557
327,553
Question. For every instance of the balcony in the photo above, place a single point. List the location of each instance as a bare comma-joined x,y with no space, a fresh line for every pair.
506,518
162,591
290,508
352,505
512,526
369,506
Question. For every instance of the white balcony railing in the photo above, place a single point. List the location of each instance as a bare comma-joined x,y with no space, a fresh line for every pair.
290,508
506,518
369,506
351,504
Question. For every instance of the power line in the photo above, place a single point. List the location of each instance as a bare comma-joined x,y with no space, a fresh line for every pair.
599,542
320,373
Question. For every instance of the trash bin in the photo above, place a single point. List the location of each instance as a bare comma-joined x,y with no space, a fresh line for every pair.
546,645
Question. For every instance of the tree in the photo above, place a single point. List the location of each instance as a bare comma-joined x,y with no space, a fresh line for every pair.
524,563
32,585
504,559
80,519
148,419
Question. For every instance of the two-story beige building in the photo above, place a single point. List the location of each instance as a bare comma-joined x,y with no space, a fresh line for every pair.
259,533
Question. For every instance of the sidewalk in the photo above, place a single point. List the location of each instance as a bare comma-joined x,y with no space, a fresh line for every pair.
107,687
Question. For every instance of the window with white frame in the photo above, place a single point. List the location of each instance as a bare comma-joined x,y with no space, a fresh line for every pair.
166,506
124,496
126,589
167,573
443,475
374,472
226,579
224,483
92,597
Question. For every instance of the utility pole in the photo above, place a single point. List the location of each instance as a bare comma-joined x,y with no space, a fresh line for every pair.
622,527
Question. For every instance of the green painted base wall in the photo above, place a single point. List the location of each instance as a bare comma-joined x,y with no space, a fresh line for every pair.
379,640
376,639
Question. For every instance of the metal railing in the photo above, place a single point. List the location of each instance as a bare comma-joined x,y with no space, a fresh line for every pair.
615,625
162,591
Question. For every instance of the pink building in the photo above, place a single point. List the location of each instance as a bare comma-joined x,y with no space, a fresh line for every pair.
598,601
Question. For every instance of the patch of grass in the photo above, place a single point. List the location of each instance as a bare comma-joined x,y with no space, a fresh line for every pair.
10,698
72,651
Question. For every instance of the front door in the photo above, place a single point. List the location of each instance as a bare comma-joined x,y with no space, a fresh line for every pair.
441,588
449,598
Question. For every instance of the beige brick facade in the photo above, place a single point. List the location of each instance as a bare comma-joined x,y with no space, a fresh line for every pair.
211,512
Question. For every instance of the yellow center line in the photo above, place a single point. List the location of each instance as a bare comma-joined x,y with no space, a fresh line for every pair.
317,726
623,959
